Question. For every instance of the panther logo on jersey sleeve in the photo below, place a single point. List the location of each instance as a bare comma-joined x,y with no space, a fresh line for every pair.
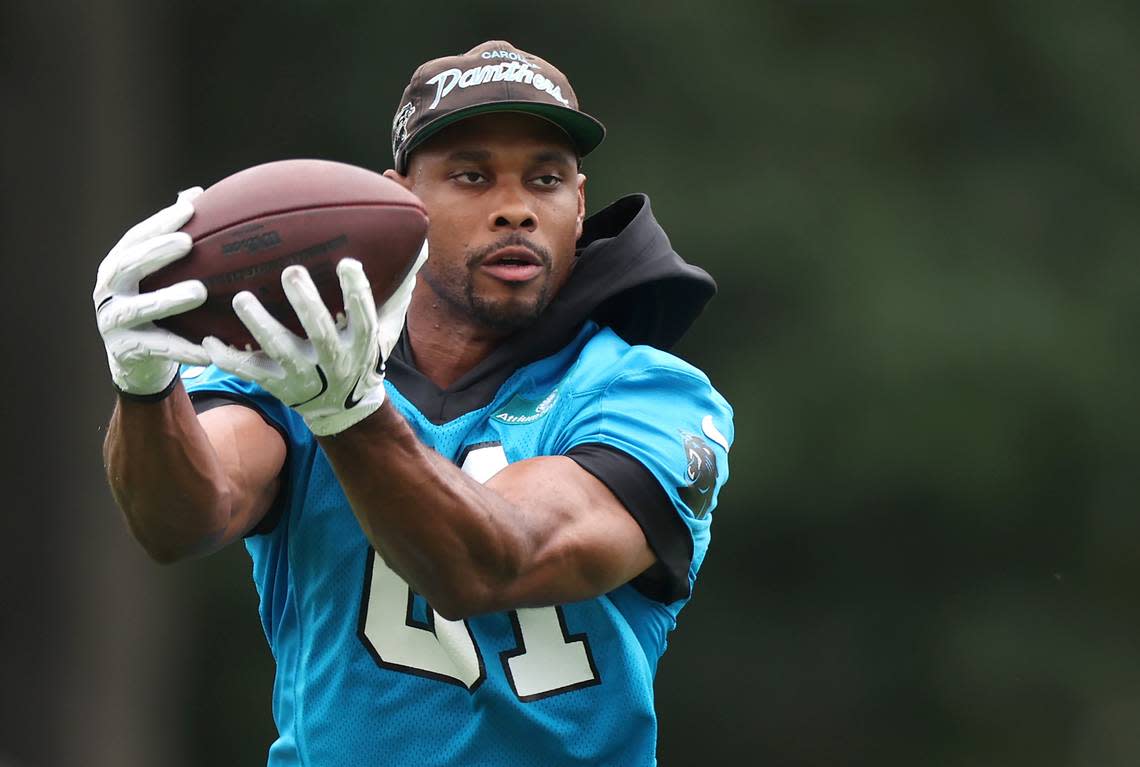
702,475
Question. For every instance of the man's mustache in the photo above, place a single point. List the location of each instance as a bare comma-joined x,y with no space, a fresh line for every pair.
512,240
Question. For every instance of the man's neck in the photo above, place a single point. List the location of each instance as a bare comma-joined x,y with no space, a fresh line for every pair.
445,346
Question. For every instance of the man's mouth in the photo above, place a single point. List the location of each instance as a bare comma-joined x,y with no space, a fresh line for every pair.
513,263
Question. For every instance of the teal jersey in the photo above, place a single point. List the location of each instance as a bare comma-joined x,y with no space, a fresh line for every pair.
369,674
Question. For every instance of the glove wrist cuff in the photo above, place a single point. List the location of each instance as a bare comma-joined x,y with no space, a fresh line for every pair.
157,396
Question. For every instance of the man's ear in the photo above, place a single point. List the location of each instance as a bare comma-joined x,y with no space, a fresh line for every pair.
404,181
581,206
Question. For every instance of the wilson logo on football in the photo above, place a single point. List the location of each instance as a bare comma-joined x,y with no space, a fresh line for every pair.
252,244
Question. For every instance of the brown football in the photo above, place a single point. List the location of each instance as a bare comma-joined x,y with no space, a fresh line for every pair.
249,226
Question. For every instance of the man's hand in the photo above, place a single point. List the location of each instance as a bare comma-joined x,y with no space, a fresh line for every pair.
335,377
144,358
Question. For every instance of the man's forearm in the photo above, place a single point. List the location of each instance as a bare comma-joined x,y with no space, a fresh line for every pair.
449,537
165,476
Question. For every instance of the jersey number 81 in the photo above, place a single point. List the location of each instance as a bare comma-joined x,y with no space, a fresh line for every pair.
545,661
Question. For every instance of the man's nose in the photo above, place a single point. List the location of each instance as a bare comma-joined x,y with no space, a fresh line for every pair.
513,211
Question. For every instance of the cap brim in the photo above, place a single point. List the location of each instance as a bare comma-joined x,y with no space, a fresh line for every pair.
584,131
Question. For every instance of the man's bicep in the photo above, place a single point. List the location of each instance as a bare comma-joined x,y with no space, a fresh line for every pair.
658,436
651,506
584,541
252,454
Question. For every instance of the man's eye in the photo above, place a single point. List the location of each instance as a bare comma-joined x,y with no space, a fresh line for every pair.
548,180
469,177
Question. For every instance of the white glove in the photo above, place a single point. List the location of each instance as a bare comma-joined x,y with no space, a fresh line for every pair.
335,377
144,358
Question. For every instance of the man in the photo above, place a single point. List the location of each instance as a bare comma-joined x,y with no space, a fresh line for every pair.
472,554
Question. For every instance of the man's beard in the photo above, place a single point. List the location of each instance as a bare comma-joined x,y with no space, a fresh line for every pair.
503,316
511,315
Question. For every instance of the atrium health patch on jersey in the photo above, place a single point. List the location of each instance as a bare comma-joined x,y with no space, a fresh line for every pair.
701,472
521,410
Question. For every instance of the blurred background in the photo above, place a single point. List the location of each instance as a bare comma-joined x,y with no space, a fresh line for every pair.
924,220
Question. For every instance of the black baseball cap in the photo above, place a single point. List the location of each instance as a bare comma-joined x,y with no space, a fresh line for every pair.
494,76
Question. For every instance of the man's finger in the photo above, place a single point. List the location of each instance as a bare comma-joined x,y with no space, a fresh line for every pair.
148,256
275,339
181,350
311,311
131,311
122,270
169,219
397,303
250,366
140,345
359,304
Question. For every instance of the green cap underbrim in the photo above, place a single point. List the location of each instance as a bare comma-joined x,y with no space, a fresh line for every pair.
584,131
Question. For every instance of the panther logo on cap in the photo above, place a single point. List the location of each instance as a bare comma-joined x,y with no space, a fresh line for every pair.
400,125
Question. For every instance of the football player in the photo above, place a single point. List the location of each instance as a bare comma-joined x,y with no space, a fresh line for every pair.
472,532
